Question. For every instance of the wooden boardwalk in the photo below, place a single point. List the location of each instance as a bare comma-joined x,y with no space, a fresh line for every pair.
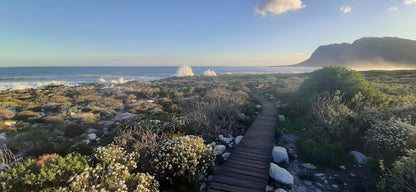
247,169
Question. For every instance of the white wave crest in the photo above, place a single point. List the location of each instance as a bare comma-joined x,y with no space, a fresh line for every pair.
209,72
101,80
32,84
184,71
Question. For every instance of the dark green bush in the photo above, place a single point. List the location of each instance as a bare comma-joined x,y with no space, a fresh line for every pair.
326,155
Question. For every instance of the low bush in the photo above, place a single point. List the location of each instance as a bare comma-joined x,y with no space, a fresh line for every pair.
402,176
326,155
182,160
47,173
389,139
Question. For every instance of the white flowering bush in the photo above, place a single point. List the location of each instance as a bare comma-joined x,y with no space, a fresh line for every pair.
390,138
182,160
114,171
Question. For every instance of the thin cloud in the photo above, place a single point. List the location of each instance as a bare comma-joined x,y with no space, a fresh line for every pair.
393,9
346,9
408,2
279,6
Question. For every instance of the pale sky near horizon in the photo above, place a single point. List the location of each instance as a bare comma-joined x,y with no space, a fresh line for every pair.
185,32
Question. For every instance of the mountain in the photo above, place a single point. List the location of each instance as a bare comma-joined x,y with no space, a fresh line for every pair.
368,52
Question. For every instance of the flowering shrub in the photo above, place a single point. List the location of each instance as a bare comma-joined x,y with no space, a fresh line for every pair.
47,173
113,172
182,160
402,176
391,137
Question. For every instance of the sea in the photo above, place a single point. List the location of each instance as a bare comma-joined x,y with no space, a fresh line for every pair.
39,77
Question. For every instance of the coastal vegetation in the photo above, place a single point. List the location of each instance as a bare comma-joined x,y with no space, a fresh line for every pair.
161,135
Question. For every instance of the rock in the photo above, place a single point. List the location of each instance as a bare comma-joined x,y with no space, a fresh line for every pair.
3,136
280,190
334,186
281,118
91,130
279,155
225,156
92,136
289,138
269,188
202,187
124,116
238,139
319,174
155,121
326,181
291,149
225,139
342,167
219,149
213,143
280,175
87,141
359,157
258,106
307,182
210,178
308,166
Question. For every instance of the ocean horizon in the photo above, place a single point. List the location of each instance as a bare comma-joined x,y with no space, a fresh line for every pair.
39,77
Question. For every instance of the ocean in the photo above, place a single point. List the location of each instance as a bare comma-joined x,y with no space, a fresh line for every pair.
38,77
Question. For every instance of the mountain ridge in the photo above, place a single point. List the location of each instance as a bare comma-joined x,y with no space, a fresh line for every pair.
369,51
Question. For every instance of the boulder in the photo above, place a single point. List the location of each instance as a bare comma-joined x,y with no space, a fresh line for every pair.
359,157
124,116
279,155
92,136
225,139
281,118
3,136
225,156
219,149
280,175
238,139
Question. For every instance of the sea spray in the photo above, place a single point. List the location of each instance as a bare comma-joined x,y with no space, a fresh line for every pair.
184,71
209,72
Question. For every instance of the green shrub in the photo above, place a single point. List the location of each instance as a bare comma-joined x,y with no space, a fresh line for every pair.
182,161
47,173
73,130
402,176
327,155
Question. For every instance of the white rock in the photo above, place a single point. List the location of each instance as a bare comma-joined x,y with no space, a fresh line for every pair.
280,175
213,143
281,118
86,141
225,139
219,149
342,167
2,167
359,157
155,121
258,106
225,156
3,136
335,186
319,174
280,190
308,166
202,187
125,116
279,155
91,130
92,136
238,139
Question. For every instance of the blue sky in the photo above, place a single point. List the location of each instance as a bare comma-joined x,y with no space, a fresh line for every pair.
202,32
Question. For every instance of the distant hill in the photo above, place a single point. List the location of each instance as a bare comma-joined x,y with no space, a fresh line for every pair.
370,52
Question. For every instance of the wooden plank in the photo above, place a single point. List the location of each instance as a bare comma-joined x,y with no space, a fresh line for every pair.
229,188
240,183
